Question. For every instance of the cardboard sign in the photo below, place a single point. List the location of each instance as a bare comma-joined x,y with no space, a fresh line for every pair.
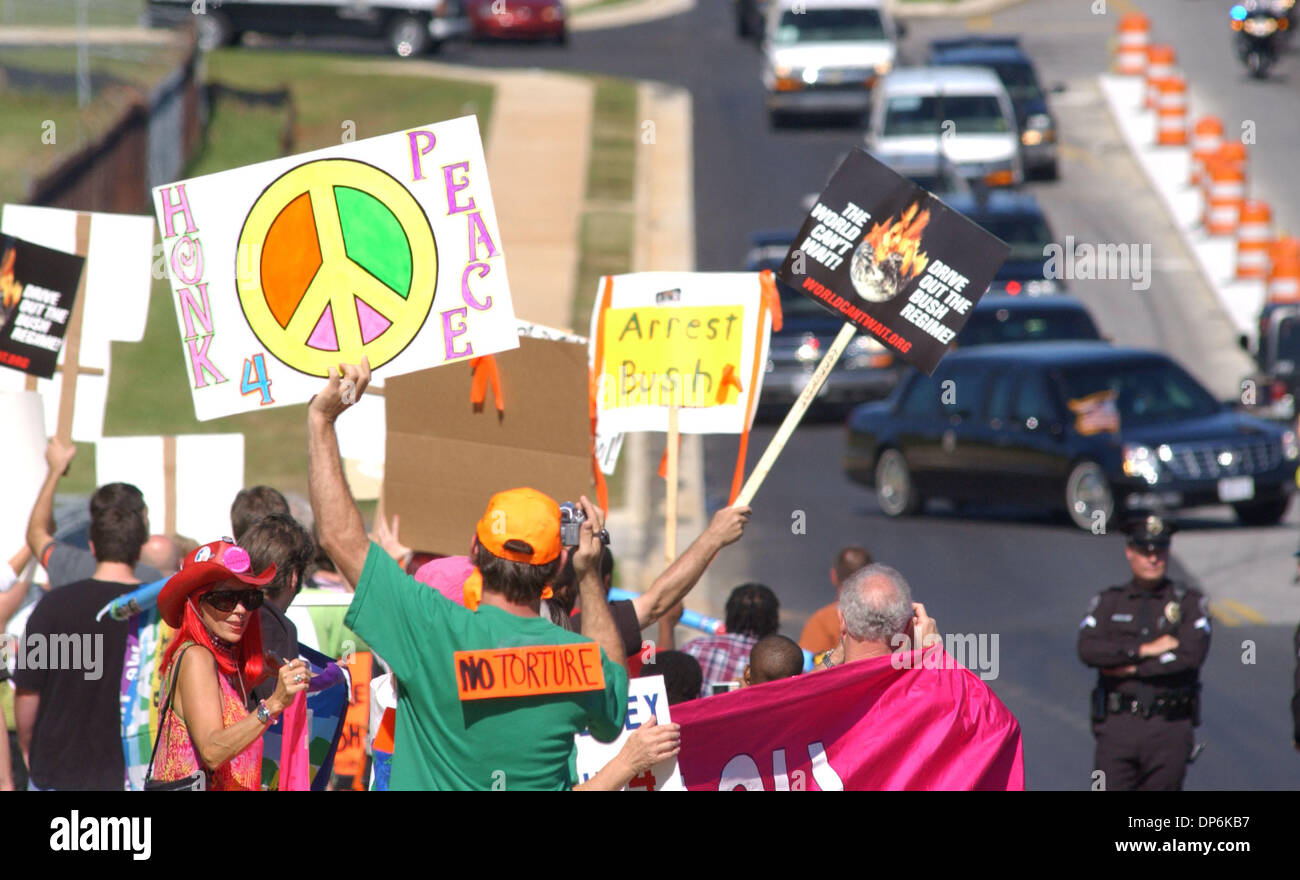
188,481
38,286
115,307
891,258
529,671
685,339
646,696
445,459
386,247
24,468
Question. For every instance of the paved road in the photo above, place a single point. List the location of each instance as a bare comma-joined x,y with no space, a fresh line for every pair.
1020,576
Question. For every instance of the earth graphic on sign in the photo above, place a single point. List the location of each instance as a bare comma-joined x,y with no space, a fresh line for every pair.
889,256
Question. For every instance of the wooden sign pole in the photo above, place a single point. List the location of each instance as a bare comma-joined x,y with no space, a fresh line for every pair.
72,340
797,410
670,504
169,485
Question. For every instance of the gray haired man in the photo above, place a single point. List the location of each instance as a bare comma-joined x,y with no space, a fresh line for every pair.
877,617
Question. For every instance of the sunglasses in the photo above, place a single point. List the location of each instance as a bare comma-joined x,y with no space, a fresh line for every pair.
226,600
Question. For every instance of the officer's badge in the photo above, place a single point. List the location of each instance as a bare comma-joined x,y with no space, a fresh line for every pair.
1155,526
1172,613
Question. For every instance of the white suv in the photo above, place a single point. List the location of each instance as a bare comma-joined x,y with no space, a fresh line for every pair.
824,56
961,113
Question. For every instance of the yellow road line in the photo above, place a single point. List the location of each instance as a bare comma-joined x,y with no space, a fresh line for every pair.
1223,615
1244,610
980,23
1123,7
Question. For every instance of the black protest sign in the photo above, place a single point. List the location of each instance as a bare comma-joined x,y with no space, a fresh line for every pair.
883,253
37,289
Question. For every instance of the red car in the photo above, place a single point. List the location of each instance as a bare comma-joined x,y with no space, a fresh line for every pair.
518,19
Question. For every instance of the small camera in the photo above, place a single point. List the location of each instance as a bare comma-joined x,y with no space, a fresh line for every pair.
571,520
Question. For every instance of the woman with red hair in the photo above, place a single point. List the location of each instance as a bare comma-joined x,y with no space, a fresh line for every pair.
208,737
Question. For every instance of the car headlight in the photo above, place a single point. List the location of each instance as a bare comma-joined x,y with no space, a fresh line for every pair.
1140,461
883,67
865,352
1260,27
809,350
550,13
809,75
1040,286
1290,446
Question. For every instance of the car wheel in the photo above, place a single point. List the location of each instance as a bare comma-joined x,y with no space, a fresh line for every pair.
894,489
562,38
408,36
1086,492
1262,513
215,30
777,119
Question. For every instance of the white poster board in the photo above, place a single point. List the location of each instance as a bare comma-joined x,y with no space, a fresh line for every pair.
690,339
209,474
386,247
645,697
118,278
24,469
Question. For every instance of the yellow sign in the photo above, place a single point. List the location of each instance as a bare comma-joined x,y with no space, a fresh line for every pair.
687,356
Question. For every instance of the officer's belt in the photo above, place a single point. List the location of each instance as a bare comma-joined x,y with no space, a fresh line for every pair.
1172,704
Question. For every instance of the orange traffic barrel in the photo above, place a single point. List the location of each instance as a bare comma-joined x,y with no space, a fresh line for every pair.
1131,46
1283,283
1233,153
1171,112
1207,136
1227,192
1254,234
1160,64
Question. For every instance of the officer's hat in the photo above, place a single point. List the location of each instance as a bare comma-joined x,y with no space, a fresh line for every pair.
1148,531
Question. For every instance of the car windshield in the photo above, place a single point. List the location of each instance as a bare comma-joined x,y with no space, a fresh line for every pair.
990,327
907,115
1148,392
1027,234
829,26
1020,82
1288,341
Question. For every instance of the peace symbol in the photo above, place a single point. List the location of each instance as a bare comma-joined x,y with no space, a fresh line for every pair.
336,260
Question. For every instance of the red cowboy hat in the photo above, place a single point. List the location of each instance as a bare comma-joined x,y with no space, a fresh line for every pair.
209,564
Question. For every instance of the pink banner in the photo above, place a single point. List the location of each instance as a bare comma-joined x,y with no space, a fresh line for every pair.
295,763
863,726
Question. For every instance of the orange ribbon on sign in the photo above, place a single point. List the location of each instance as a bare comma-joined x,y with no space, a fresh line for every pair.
485,373
771,299
663,459
729,380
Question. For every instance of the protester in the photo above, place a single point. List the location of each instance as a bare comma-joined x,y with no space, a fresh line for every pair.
163,553
253,504
878,617
822,631
683,677
280,542
646,746
69,674
511,742
13,590
214,659
64,563
752,613
773,658
633,615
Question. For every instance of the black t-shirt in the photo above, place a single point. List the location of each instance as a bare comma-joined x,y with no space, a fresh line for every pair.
75,663
280,636
629,628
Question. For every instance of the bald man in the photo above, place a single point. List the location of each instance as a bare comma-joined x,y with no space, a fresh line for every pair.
773,658
822,632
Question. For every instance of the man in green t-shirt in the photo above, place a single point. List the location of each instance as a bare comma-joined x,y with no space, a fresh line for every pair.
503,715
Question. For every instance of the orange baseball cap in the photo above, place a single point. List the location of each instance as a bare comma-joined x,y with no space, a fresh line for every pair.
522,525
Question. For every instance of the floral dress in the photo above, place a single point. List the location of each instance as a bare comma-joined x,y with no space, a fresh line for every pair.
178,758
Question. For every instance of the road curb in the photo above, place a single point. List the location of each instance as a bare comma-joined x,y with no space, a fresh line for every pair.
625,14
959,9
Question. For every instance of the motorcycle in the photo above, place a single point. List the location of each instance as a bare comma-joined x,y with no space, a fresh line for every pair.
1258,31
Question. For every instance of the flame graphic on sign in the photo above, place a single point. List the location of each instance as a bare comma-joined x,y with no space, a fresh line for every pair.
10,290
902,237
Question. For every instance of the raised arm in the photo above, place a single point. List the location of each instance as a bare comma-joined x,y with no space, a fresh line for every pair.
342,533
677,579
58,455
597,622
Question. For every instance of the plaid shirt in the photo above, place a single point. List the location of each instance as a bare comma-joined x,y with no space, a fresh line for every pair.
722,658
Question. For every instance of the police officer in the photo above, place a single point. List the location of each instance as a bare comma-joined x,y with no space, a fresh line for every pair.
1147,639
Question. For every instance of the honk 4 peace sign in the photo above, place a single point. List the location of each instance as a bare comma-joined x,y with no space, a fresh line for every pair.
386,247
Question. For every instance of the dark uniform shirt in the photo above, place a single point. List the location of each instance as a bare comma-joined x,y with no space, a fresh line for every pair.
1124,618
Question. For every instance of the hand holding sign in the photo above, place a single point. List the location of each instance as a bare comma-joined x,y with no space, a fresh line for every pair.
59,455
341,392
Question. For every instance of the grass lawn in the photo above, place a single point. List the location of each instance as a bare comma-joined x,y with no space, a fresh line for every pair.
149,392
99,13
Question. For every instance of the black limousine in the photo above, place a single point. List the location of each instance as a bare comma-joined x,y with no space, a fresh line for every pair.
1085,426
